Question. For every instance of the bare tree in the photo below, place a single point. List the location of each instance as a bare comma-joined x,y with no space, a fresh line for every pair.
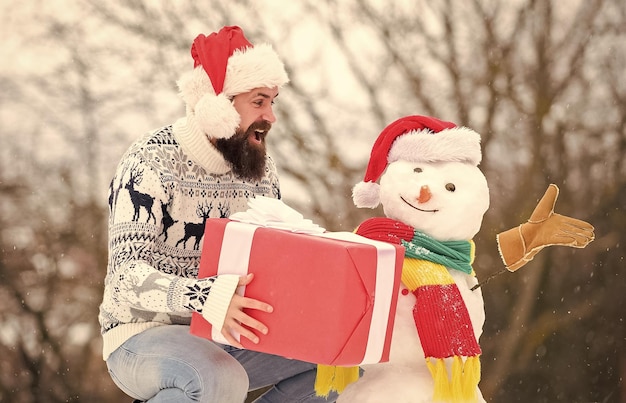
542,81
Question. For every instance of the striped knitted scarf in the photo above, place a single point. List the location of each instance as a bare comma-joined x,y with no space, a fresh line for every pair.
441,317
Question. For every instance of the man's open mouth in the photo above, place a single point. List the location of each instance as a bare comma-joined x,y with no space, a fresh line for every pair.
258,131
258,135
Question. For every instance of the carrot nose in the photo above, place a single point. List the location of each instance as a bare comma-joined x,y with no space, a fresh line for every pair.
425,194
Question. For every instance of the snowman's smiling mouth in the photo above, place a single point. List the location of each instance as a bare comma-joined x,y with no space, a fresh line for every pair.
417,208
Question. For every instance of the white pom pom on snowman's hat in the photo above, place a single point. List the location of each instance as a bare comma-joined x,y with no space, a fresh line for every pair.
366,194
417,139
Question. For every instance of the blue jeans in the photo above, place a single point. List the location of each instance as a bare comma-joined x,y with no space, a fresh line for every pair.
168,364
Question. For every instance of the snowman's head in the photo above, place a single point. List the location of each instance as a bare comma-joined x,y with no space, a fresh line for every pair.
426,162
446,200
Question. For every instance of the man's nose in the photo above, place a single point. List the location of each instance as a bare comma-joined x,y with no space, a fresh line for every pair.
269,115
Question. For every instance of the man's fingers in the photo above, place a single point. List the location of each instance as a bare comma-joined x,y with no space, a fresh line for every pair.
252,323
248,334
238,321
243,318
226,332
245,280
244,328
238,302
250,303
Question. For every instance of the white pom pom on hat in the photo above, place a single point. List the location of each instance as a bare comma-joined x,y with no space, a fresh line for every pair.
417,139
216,116
226,64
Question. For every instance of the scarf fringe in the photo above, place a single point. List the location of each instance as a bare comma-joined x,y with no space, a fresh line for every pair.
331,378
461,385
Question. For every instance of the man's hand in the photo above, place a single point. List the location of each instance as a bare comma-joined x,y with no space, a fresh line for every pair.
237,321
544,228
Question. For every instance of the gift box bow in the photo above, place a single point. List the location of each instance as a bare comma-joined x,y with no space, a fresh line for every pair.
273,213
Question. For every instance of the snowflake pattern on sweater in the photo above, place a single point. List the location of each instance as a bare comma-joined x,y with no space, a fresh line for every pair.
159,201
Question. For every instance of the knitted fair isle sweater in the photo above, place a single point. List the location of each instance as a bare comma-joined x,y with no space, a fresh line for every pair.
166,186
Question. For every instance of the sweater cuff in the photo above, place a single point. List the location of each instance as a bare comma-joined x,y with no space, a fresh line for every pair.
216,305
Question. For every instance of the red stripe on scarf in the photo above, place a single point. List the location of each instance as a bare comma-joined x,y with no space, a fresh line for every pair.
443,323
386,230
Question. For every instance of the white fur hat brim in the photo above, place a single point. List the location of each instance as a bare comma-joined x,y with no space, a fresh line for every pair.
458,144
253,68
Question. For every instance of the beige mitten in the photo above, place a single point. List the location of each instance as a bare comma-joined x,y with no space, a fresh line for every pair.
519,245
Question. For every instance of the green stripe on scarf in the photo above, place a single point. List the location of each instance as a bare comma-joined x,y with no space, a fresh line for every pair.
452,254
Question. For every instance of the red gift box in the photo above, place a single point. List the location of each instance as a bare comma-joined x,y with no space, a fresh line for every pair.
334,295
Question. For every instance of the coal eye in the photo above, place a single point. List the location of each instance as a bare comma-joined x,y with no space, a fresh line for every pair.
418,170
450,187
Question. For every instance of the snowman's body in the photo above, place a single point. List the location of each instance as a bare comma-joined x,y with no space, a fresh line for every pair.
421,195
405,378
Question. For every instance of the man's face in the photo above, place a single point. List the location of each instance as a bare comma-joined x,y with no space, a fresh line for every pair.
255,106
245,150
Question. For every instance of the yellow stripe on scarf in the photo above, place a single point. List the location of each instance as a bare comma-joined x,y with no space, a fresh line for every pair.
461,386
330,377
417,273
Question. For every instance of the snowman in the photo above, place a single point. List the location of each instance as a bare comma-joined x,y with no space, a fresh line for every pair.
434,197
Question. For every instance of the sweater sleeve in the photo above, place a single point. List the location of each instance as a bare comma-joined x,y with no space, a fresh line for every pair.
143,287
133,281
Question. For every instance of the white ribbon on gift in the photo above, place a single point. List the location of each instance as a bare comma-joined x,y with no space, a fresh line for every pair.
274,213
234,259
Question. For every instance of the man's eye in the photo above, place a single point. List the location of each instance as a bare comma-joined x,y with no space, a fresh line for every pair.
418,170
450,187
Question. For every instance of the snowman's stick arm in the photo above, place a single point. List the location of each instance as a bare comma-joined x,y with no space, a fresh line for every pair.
485,281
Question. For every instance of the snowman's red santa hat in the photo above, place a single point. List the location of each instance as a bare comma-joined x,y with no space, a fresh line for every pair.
416,139
226,64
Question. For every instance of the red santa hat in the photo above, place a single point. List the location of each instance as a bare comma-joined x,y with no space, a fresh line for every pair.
226,64
416,139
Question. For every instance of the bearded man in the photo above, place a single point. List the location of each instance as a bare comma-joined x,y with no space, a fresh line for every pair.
207,164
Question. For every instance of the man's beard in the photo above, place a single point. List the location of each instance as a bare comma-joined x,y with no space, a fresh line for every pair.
247,159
